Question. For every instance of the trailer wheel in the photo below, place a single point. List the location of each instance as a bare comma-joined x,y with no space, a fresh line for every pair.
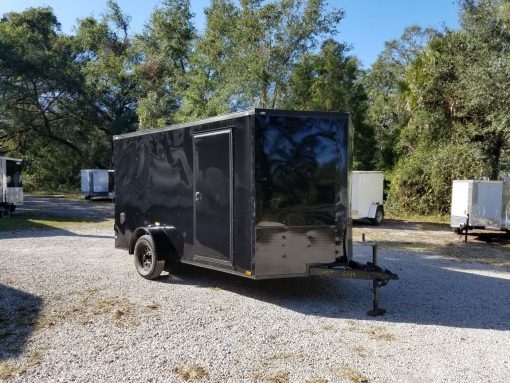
146,259
379,216
12,208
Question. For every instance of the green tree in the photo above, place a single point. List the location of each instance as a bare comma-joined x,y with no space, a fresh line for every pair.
40,97
454,96
245,56
107,60
39,81
484,65
64,97
385,84
165,46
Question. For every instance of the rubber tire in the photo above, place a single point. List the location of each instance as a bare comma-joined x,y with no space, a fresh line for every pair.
157,266
379,216
12,208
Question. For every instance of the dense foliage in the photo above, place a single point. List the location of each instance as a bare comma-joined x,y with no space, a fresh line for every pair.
440,106
433,107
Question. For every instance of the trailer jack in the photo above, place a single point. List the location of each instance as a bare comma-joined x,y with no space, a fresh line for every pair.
354,270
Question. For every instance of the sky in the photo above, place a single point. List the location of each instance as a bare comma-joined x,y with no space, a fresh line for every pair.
366,26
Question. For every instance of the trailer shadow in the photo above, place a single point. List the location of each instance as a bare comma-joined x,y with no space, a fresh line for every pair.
391,224
43,231
491,237
431,291
19,312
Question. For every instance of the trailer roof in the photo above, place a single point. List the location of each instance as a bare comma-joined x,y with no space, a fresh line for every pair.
11,159
269,112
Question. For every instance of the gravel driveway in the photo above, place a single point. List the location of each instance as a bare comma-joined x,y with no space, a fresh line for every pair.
97,209
73,309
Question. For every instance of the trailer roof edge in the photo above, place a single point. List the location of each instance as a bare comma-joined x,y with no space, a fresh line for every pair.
270,112
185,124
11,159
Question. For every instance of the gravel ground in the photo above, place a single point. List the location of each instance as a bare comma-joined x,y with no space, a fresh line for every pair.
97,209
73,309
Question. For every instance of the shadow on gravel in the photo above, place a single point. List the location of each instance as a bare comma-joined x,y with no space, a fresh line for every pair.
64,207
491,237
18,315
431,291
390,224
41,231
50,216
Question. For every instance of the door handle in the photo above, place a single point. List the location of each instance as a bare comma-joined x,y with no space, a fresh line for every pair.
198,196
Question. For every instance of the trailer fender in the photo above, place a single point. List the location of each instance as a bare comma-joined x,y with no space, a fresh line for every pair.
167,241
373,209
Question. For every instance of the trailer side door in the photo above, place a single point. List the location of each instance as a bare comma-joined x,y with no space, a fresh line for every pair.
212,190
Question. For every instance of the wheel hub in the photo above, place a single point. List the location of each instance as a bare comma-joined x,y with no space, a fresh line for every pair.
147,258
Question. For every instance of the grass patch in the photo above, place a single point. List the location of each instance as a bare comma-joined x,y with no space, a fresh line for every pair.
65,195
279,377
34,222
7,371
34,359
153,306
353,375
122,312
272,337
432,218
352,325
191,371
360,351
380,333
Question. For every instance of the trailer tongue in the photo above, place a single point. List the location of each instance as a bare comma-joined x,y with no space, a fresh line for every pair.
355,270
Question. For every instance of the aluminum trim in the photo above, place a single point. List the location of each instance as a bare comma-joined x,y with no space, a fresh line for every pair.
185,124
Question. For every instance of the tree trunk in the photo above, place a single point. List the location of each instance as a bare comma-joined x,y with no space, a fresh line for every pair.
495,149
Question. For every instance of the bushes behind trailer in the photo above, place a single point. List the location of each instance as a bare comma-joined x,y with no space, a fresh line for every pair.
421,183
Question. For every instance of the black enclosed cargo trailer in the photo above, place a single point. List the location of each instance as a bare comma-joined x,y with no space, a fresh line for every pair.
262,194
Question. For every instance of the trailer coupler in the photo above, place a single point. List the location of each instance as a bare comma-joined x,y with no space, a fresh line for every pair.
354,270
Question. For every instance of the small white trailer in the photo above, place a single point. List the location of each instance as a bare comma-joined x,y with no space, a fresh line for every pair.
11,184
478,204
367,196
97,183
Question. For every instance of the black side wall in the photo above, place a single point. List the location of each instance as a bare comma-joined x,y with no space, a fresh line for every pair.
154,183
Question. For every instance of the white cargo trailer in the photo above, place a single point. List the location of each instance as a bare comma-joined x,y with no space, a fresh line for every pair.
367,196
97,183
480,204
11,185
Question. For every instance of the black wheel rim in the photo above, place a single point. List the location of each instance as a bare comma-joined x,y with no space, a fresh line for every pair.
146,258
